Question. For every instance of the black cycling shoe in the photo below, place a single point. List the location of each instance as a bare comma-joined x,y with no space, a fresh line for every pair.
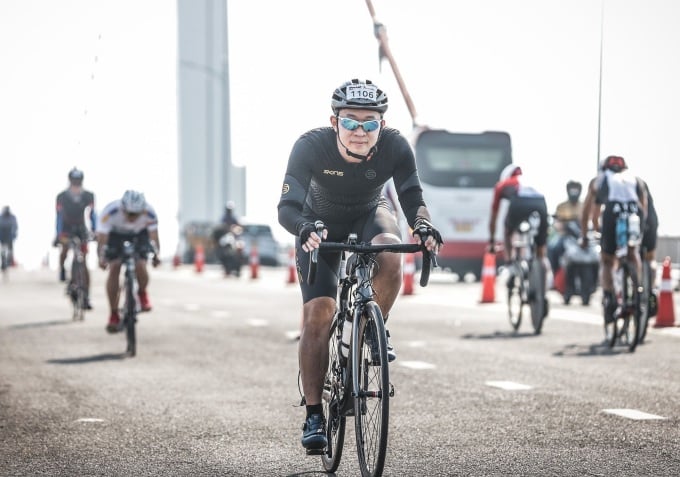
314,434
391,354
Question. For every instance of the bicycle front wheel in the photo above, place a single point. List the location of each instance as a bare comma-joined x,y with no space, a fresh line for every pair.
515,287
537,294
332,397
372,391
77,290
130,317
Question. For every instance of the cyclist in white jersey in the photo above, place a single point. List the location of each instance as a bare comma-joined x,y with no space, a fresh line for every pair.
129,218
614,189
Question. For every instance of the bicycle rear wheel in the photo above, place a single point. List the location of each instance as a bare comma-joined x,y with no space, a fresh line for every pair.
644,300
537,294
373,391
633,328
332,398
515,287
130,317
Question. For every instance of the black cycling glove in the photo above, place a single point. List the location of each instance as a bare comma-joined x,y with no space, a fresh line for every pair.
305,230
422,227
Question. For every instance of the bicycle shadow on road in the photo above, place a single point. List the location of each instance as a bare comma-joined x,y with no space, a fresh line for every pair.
40,324
89,359
312,472
595,349
506,335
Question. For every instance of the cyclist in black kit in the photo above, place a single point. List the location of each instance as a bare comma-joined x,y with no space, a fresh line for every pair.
336,175
72,206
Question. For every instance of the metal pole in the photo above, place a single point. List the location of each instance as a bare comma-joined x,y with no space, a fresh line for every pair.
381,35
599,92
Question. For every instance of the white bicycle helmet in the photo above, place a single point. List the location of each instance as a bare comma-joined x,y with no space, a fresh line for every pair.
133,202
358,94
509,171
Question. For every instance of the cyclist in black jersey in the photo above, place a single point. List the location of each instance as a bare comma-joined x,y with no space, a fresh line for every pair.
72,205
336,175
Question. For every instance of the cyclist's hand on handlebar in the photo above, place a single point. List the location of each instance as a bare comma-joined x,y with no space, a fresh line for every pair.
309,237
155,261
426,234
103,263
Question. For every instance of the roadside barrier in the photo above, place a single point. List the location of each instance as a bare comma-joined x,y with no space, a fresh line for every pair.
489,278
199,258
254,262
666,312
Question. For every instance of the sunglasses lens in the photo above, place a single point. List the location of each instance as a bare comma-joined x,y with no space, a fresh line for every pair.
371,125
349,124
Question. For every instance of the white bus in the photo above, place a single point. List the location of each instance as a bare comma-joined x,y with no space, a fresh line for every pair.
458,172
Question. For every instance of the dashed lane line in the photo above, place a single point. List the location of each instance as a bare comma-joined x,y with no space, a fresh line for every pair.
508,385
632,414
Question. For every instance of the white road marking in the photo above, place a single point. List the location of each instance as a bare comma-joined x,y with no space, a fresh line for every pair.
257,323
508,385
89,419
292,335
192,307
416,344
416,365
632,414
220,314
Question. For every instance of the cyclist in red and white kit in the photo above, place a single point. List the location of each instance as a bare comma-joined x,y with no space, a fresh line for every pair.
129,218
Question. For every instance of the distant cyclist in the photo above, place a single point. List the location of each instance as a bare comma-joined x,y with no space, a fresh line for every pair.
129,218
336,174
8,233
616,189
523,199
73,205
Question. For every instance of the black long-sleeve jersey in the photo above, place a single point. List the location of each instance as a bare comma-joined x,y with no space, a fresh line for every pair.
320,185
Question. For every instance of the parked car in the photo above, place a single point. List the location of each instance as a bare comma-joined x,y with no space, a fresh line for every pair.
268,249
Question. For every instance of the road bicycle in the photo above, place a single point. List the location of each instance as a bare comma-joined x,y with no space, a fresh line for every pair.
626,328
6,259
77,287
357,381
526,284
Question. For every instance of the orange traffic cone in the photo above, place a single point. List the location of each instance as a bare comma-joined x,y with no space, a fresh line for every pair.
489,278
409,271
292,273
665,315
199,258
254,262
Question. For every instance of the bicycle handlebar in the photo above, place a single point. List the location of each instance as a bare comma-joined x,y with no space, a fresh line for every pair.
429,259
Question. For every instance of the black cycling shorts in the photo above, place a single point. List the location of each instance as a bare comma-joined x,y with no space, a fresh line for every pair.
650,234
520,208
379,220
608,230
114,244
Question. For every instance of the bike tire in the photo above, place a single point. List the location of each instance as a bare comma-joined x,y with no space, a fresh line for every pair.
372,387
130,318
78,289
536,294
332,397
635,315
644,300
515,288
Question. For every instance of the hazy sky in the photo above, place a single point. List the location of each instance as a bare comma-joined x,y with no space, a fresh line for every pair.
92,83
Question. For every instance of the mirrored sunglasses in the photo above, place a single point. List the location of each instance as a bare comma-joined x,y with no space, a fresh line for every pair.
352,124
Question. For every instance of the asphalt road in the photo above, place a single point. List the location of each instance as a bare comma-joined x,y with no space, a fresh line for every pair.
213,388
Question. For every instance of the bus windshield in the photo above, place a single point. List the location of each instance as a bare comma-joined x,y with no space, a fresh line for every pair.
448,159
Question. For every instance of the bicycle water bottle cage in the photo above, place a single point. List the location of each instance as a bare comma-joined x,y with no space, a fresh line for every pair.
534,222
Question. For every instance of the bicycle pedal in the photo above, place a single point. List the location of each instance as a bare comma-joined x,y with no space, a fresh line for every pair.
315,451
